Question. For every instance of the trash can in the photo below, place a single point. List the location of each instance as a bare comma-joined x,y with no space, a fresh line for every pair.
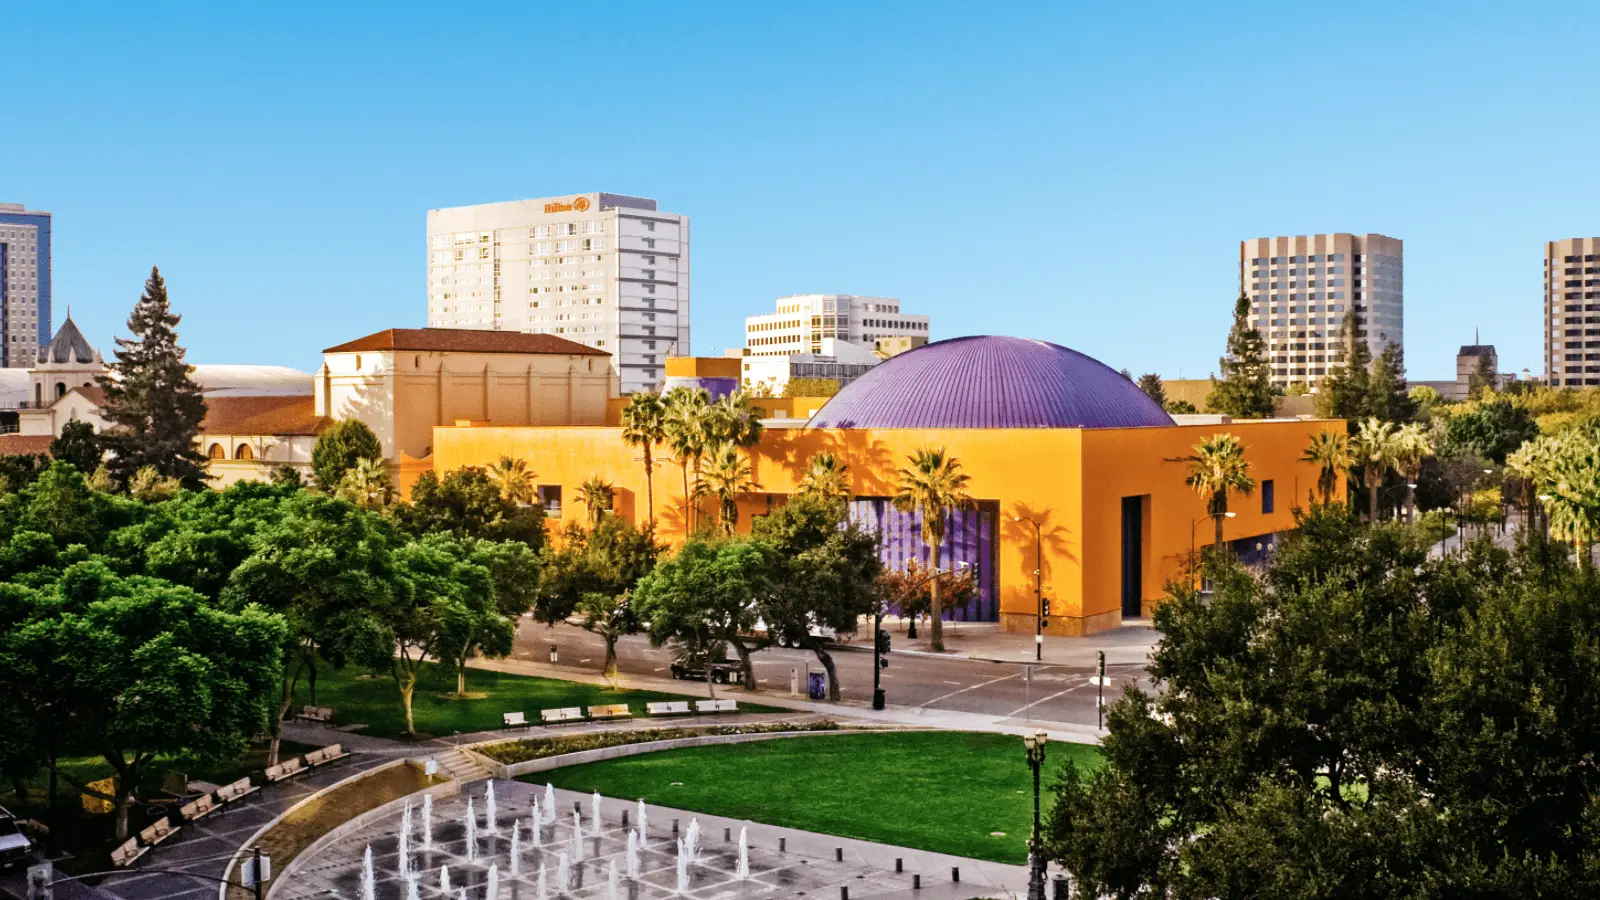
817,685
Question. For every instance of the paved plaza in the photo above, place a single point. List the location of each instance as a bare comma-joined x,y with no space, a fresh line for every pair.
781,862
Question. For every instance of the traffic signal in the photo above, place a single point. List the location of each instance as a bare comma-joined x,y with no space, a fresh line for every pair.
1046,607
883,641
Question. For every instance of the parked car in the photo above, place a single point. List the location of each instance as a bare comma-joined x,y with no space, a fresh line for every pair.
15,848
828,635
697,664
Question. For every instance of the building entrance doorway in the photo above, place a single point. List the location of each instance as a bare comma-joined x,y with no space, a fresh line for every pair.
1133,556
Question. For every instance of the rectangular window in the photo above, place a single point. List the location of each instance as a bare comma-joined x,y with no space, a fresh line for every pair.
550,497
1267,499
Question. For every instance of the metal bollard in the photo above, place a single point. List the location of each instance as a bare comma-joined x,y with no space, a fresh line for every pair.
899,865
552,652
783,845
674,827
727,835
844,892
1059,887
624,819
955,873
838,854
916,882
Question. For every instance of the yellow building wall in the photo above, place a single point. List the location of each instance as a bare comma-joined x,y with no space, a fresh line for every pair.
1070,480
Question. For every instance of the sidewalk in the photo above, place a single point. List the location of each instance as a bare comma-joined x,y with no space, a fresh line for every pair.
1131,644
915,716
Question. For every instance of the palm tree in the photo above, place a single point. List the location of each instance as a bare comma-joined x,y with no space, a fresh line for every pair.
596,494
1330,450
644,426
1217,467
726,475
1374,449
1531,463
366,484
826,477
1411,446
515,479
1572,496
733,420
684,424
933,485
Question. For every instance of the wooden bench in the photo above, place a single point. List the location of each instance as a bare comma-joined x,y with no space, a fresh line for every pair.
558,716
317,713
199,808
157,833
614,711
238,790
716,706
513,720
284,770
329,754
668,708
127,853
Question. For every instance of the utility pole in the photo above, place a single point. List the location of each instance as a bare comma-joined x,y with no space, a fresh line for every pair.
1100,699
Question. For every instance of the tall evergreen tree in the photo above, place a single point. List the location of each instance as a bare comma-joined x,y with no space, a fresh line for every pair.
1150,383
154,408
1483,380
1345,391
1387,397
1245,389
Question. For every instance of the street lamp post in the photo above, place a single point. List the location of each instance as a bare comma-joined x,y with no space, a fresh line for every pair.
1038,587
1205,518
1033,745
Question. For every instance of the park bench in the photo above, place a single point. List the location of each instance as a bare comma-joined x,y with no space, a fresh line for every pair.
558,716
329,754
317,714
668,708
284,770
127,853
238,790
716,706
614,711
157,833
513,720
198,808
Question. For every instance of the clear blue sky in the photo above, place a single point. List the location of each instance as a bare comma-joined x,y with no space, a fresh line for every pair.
1079,172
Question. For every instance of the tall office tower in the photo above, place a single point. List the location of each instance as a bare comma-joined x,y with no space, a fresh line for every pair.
802,322
604,270
1300,289
24,284
1571,290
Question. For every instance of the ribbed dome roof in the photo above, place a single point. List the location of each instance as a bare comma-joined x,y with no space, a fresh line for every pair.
991,382
68,346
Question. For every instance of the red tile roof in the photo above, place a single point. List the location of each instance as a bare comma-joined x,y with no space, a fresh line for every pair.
466,340
94,394
263,415
11,444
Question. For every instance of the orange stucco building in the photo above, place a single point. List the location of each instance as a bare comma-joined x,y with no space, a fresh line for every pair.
1115,520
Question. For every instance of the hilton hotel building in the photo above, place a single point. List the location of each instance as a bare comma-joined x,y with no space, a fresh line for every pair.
605,270
1572,312
1301,288
24,284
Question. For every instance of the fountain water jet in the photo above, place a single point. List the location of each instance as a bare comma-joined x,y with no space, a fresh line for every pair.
563,874
549,804
594,806
404,849
633,856
490,826
427,822
471,824
516,849
541,895
369,880
611,881
462,894
683,868
536,829
444,879
691,843
644,836
743,871
577,837
491,888
413,892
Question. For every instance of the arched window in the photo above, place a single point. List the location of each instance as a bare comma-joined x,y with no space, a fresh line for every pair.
38,395
216,452
358,362
244,452
61,389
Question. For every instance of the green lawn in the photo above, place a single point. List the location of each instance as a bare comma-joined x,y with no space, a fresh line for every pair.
360,698
939,791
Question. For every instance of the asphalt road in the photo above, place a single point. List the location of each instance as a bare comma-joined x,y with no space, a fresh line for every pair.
1051,693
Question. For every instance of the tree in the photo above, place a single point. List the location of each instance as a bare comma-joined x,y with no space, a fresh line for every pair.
1564,471
727,477
366,484
485,624
442,591
1150,383
826,478
685,421
1484,379
933,486
1496,427
152,407
1361,721
596,494
1374,449
1330,451
1411,446
706,595
644,425
157,672
468,503
288,476
1245,390
811,387
1425,400
1387,397
18,470
59,503
1216,468
148,485
827,576
514,479
591,574
78,445
1346,391
1181,408
732,420
339,447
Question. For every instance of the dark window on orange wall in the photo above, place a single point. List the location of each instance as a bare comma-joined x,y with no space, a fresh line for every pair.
1267,499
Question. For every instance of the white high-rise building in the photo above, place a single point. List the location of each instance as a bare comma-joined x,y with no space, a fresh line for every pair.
802,322
1300,289
605,270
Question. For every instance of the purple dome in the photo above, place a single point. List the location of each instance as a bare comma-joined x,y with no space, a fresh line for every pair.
991,382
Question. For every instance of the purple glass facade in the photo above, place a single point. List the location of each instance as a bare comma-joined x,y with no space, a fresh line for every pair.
970,537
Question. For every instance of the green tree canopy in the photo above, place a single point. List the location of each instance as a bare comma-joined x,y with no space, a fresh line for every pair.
467,502
708,593
78,445
811,387
1346,391
1496,427
591,573
1150,383
1245,389
339,447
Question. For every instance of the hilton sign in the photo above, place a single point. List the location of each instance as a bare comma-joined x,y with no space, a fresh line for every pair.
578,204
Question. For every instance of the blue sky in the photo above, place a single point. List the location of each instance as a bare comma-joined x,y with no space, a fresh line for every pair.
1070,171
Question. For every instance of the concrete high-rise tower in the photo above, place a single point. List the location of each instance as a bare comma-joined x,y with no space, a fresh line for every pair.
24,284
1572,312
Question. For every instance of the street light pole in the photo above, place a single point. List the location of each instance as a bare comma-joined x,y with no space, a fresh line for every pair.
1034,747
1038,588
